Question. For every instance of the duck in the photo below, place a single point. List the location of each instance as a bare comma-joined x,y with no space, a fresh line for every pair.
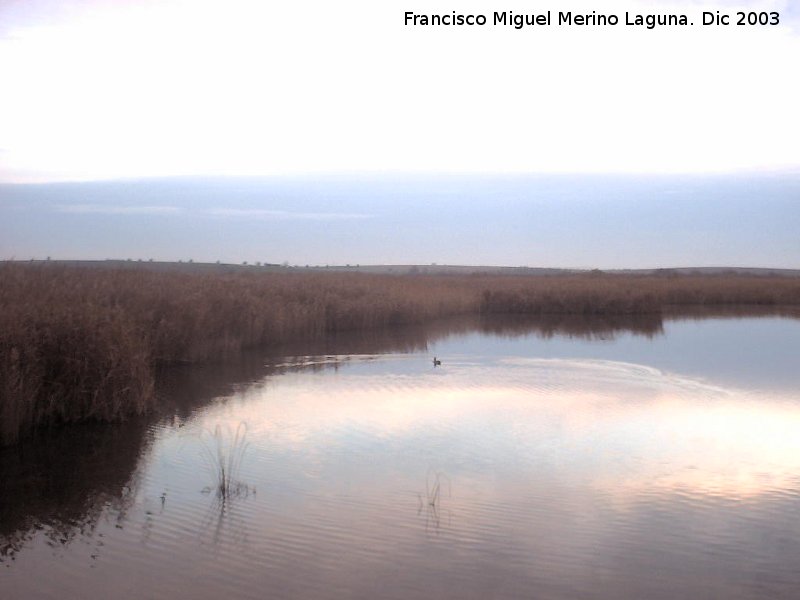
436,362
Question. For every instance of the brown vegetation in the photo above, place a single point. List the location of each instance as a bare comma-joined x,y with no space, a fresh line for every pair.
84,344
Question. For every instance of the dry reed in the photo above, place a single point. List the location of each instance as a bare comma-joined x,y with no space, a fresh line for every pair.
224,455
84,343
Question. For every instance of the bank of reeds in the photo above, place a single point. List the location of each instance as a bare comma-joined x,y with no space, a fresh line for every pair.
80,343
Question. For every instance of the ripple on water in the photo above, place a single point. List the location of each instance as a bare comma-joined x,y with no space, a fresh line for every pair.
558,478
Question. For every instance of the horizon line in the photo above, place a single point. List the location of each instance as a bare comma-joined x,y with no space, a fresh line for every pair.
355,266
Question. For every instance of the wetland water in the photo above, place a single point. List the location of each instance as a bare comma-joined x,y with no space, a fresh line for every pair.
575,459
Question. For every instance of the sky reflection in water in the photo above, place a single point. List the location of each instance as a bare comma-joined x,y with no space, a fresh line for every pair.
631,467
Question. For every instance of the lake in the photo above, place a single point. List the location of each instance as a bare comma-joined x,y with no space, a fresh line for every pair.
575,458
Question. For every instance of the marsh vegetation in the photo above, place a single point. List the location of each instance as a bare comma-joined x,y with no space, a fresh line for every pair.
81,344
224,453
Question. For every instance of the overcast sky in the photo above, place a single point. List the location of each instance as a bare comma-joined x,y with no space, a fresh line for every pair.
303,92
605,221
103,89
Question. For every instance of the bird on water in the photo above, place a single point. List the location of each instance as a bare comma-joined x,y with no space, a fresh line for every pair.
436,362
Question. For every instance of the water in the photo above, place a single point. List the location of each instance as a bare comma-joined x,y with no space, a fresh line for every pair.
576,459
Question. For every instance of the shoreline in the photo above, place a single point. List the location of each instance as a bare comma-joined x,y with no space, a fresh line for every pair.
85,344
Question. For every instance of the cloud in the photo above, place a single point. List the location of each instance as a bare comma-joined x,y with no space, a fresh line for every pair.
282,215
118,210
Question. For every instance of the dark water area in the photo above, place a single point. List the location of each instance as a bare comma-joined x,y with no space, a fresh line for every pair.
568,458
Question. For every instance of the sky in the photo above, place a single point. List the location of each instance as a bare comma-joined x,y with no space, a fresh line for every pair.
294,93
555,220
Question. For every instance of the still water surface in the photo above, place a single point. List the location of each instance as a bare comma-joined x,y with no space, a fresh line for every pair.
576,460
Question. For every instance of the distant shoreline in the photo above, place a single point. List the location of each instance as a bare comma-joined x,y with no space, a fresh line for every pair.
404,269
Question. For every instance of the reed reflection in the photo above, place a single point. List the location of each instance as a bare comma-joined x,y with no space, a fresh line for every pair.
432,507
61,482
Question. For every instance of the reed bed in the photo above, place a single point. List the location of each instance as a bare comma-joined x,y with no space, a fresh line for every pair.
85,343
